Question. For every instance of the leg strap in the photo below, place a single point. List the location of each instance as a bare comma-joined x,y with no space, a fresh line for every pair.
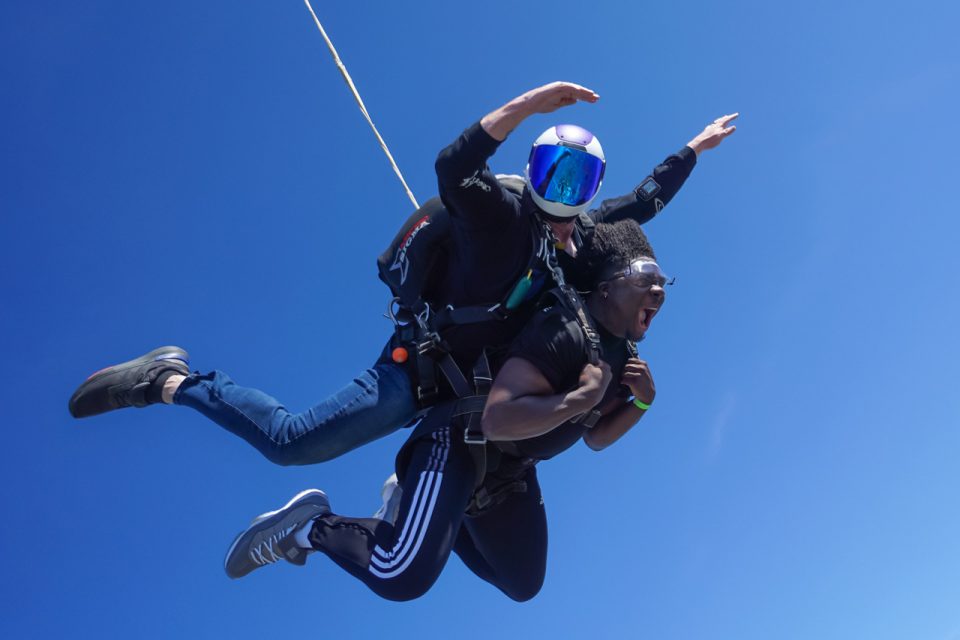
485,499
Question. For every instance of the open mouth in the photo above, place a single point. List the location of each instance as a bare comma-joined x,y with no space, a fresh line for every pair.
646,316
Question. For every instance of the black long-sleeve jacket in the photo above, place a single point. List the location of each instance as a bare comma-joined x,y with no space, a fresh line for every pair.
492,232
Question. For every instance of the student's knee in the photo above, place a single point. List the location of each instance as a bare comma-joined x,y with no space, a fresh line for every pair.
409,588
525,588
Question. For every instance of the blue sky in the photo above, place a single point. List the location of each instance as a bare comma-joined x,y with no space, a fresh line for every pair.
198,174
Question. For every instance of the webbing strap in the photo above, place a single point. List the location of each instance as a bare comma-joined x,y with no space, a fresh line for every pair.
468,315
588,419
484,500
468,405
458,382
482,379
471,408
571,300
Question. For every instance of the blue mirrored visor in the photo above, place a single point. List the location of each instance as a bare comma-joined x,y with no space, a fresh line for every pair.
565,175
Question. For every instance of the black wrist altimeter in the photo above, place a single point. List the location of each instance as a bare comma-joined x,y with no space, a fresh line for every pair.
648,188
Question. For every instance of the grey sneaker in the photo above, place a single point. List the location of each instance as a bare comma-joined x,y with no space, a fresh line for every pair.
269,537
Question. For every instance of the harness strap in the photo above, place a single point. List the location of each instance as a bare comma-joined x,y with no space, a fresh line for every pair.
473,431
484,499
588,419
469,405
454,376
469,315
427,388
570,299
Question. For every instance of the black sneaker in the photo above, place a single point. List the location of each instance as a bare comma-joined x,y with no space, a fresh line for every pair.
135,383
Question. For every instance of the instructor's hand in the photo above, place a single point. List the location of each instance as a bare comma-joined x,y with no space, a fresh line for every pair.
636,377
555,95
713,134
546,99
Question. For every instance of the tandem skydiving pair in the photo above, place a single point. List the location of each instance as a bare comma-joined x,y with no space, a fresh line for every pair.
498,356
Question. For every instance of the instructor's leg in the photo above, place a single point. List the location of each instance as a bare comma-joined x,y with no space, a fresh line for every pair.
376,403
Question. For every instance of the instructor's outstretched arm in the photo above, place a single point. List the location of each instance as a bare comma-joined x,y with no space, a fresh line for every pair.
546,99
657,190
713,134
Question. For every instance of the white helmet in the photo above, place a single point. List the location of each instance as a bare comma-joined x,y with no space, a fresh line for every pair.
565,170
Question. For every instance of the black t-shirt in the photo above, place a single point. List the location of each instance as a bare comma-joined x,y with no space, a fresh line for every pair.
554,343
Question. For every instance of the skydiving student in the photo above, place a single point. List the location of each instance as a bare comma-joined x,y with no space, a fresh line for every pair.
499,530
492,232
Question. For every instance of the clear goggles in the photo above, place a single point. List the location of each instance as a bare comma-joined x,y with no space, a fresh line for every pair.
644,272
565,175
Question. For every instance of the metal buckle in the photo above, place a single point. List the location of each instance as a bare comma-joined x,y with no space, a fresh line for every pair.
471,437
430,344
482,498
426,396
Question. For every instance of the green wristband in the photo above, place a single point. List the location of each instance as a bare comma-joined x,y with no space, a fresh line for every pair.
640,404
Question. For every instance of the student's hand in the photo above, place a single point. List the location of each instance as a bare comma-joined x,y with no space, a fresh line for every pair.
636,376
593,383
713,134
555,95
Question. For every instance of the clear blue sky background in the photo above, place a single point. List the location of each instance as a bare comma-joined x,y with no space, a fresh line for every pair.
196,173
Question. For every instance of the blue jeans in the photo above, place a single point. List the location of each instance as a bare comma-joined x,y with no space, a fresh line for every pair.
378,402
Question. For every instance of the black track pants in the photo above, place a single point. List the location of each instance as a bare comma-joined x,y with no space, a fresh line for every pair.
506,546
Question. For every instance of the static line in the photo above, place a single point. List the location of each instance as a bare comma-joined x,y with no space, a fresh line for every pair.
363,109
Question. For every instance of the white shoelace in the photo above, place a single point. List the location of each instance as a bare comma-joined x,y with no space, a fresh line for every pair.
265,552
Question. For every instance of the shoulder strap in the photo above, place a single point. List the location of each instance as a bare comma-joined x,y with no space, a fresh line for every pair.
570,299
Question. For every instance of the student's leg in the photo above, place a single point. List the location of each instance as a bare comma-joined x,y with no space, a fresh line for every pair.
402,562
507,546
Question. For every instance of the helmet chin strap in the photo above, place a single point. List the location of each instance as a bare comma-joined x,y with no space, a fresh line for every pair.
552,218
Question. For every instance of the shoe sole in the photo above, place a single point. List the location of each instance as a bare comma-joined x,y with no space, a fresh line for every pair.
163,353
271,518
